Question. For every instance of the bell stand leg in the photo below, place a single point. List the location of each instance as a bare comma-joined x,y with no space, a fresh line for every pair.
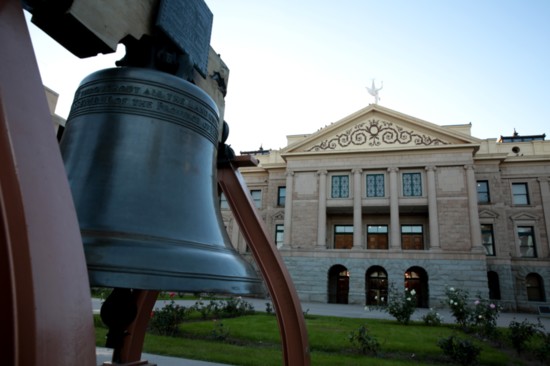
130,351
281,288
45,308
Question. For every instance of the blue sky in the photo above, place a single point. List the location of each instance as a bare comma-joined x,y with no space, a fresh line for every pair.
296,66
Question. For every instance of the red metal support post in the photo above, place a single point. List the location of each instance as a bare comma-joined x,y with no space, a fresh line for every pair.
281,288
45,309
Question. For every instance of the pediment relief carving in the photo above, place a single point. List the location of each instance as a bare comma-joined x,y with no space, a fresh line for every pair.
374,133
280,215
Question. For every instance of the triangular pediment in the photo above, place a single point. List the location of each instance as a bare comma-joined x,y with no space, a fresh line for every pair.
378,128
487,214
523,216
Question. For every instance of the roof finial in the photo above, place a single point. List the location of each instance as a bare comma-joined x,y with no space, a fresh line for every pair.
374,92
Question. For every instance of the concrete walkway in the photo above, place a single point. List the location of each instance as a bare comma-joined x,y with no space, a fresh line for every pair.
339,310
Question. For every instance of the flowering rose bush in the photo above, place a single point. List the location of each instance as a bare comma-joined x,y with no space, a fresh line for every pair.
457,300
484,317
401,305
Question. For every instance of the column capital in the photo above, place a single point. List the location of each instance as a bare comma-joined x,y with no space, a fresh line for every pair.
393,169
290,173
357,170
543,179
322,172
431,168
469,167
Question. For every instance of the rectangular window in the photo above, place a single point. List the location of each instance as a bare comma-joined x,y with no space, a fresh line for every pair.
520,194
412,237
412,185
483,191
377,236
224,205
340,186
281,196
279,234
375,185
487,239
256,197
343,236
526,236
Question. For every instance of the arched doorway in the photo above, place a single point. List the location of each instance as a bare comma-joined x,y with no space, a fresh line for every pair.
494,285
376,286
535,287
338,284
416,278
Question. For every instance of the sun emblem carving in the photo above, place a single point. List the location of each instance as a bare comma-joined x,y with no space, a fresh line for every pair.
375,132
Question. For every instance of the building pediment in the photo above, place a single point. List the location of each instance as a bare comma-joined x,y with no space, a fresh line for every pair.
378,128
487,214
523,216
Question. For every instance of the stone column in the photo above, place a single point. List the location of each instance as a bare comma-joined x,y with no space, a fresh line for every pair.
322,214
475,228
395,227
432,208
545,194
288,207
357,211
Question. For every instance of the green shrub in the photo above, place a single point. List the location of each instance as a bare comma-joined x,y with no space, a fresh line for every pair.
483,317
521,333
432,317
165,321
219,333
401,305
457,300
459,350
365,342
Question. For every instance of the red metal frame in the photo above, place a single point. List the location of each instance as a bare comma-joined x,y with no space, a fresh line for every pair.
45,310
281,288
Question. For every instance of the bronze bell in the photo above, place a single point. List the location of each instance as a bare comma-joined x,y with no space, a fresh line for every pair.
140,149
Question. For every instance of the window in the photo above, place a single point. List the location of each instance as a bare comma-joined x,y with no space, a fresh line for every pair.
224,205
412,237
412,185
279,234
340,186
483,191
281,196
527,242
534,286
377,236
375,185
487,239
343,236
256,197
520,194
377,286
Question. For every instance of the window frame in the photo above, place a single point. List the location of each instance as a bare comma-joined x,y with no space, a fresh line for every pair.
347,233
257,200
281,198
376,185
377,234
412,235
279,233
488,230
486,192
525,194
224,205
403,185
340,178
531,234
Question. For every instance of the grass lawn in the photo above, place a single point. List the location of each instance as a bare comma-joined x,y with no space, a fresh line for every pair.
255,340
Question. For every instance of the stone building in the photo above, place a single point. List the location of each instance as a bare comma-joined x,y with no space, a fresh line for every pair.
381,198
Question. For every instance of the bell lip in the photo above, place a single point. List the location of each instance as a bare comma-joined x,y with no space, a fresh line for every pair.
169,266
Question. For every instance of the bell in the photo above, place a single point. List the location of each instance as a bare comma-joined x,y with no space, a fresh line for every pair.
140,150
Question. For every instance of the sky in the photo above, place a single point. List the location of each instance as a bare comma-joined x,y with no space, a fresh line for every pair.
297,66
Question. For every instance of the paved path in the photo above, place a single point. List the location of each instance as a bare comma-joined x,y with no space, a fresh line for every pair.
340,310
